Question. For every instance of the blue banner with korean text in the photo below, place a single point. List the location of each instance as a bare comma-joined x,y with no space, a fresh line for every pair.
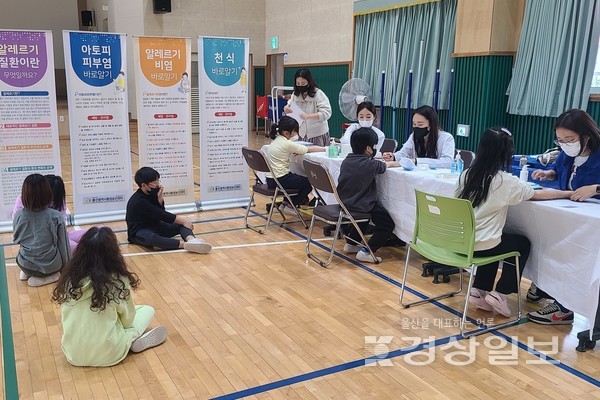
99,123
223,100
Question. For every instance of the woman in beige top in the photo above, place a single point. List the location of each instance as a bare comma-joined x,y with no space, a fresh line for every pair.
315,106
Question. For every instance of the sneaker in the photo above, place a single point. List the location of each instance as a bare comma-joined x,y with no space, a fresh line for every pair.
477,298
196,245
365,256
551,315
36,281
23,276
499,303
351,248
532,294
152,338
269,205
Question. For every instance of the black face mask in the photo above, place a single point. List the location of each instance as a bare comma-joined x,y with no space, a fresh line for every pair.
420,133
303,89
374,152
154,191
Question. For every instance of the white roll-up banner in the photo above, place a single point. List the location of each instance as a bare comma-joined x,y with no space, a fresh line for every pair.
28,119
223,102
163,86
96,66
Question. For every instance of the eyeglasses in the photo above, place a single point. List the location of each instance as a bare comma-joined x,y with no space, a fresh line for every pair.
560,143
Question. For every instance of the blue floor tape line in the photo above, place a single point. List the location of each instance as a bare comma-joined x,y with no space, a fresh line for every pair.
552,360
335,369
195,222
534,352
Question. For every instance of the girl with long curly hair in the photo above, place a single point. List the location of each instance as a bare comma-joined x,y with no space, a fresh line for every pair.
101,323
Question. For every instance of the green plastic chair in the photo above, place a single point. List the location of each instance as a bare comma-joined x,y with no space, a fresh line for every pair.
445,232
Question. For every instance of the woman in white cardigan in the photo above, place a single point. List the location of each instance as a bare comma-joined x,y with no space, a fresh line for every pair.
366,115
315,106
427,144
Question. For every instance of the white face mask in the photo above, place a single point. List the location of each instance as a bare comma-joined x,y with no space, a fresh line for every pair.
294,138
571,149
366,123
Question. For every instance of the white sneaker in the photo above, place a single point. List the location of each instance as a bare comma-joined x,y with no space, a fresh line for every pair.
499,302
477,299
35,281
23,276
196,245
366,257
351,248
152,338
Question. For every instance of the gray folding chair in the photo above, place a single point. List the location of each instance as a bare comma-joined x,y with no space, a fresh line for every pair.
333,214
258,163
388,146
467,156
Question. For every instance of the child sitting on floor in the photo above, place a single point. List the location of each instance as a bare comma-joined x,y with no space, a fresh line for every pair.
100,321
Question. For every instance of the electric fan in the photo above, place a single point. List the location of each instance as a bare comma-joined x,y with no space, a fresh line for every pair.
353,92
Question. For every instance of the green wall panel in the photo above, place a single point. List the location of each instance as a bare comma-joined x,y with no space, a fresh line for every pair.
259,87
479,100
330,79
259,81
479,97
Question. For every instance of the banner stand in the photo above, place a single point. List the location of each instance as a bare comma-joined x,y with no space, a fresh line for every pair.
119,215
209,205
96,217
6,226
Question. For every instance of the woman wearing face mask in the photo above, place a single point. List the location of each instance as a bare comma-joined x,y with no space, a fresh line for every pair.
578,164
427,144
280,150
577,168
366,115
315,106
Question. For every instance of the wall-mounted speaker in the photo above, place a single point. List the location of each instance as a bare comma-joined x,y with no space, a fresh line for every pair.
161,6
87,18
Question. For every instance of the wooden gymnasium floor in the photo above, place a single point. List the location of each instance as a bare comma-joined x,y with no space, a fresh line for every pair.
256,318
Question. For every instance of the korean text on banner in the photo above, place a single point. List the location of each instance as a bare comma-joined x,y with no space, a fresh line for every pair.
163,86
97,94
223,89
28,118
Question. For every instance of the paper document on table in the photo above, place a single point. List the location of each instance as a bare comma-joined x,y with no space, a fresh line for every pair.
296,111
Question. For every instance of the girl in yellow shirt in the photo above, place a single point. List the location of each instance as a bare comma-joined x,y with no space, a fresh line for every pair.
283,146
100,321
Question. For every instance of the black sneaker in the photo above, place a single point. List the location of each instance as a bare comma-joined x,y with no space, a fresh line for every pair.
551,315
532,294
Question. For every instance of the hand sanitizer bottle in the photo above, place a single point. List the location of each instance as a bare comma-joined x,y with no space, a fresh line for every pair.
460,164
457,165
524,175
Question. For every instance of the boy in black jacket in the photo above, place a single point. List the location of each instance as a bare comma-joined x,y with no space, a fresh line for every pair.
150,225
358,192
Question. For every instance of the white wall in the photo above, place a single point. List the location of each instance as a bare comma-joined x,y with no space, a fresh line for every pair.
123,17
54,15
310,31
227,18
